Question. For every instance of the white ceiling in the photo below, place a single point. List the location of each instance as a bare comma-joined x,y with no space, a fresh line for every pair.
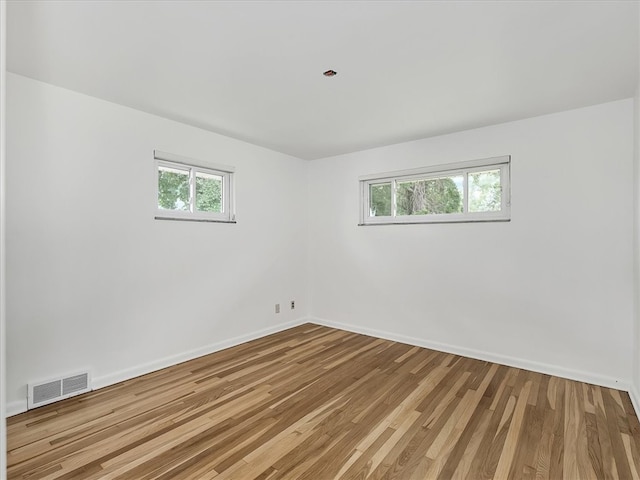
406,70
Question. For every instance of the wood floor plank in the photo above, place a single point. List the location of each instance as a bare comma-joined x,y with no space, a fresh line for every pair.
316,403
513,433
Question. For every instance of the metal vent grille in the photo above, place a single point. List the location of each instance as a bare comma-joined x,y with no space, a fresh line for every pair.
46,391
43,393
75,383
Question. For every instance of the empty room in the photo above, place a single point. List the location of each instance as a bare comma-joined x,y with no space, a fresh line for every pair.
319,239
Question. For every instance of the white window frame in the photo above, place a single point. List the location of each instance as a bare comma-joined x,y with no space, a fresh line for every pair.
503,163
170,160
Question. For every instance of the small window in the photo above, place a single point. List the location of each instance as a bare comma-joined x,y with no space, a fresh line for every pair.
185,191
476,191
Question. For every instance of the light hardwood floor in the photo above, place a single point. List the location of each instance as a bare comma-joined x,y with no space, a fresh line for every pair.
318,403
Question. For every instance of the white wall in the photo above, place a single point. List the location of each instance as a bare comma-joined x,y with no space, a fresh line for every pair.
635,390
551,290
3,51
94,281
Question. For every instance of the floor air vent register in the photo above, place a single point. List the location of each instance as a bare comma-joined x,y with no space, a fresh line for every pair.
43,393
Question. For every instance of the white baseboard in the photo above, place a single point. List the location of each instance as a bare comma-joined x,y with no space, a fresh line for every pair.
14,408
20,406
524,364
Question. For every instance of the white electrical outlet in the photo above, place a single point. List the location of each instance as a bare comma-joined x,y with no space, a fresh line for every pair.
277,308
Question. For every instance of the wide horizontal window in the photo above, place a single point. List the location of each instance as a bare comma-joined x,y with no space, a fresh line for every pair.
476,191
190,192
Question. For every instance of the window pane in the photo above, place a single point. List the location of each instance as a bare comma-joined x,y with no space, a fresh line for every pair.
485,194
380,200
430,196
173,188
208,192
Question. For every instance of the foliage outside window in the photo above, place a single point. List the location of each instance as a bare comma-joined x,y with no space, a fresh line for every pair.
189,192
473,191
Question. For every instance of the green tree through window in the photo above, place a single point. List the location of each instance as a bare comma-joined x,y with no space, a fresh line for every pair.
208,193
485,192
433,196
470,191
173,188
192,192
380,199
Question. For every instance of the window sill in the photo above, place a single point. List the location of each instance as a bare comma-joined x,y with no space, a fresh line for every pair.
186,219
488,220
